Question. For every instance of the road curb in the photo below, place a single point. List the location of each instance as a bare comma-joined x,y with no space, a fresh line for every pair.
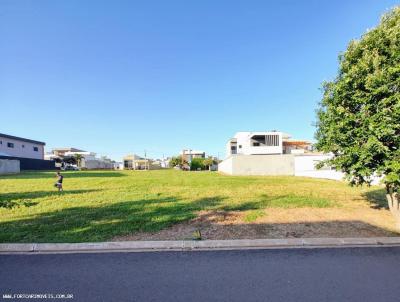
145,246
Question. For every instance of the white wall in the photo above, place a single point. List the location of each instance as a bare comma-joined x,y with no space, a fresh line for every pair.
9,166
118,166
21,148
226,166
326,174
305,166
97,164
258,165
308,162
285,164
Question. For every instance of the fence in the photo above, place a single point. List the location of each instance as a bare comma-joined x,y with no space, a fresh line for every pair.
33,164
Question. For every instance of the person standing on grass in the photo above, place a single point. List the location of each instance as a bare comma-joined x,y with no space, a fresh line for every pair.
59,182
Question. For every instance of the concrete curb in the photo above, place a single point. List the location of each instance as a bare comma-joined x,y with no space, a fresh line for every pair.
145,246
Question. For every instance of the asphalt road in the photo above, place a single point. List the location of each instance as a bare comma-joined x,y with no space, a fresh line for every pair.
350,274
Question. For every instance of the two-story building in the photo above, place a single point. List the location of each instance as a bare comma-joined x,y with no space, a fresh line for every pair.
189,154
15,146
265,143
273,153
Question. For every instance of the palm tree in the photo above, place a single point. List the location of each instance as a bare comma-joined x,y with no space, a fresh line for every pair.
78,158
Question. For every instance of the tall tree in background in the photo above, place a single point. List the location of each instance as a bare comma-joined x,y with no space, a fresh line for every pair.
359,115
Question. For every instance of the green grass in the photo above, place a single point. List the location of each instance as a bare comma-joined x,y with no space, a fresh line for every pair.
253,215
98,206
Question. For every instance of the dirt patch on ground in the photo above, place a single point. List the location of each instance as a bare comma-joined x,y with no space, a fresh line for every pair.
280,223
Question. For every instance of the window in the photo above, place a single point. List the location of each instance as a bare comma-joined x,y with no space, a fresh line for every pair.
272,140
1,142
258,140
35,149
10,145
240,146
23,146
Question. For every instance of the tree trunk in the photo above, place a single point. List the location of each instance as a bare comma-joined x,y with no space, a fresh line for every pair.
394,206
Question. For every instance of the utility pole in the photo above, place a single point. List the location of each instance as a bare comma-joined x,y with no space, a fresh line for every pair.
145,160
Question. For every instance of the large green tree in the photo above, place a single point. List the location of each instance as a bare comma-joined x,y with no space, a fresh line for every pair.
359,115
197,164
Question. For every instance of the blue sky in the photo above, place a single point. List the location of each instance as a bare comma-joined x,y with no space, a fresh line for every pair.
118,77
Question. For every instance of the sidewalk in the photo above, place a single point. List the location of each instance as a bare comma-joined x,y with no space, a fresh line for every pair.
145,246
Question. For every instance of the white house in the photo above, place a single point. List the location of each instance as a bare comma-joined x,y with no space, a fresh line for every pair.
88,161
265,143
118,165
165,162
273,153
86,155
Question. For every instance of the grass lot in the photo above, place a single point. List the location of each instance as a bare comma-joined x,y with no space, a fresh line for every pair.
100,206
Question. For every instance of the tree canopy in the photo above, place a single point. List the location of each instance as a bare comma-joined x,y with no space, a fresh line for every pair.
358,119
175,161
197,164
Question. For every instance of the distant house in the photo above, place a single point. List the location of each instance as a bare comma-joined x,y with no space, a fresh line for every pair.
273,153
118,165
189,154
165,162
61,152
88,159
29,153
135,162
265,143
15,146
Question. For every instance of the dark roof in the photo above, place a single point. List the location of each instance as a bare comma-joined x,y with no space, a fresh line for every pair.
22,139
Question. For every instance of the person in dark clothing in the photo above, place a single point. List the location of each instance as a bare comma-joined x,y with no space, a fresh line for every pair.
59,182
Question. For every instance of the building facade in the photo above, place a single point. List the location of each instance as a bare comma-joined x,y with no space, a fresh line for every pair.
189,154
252,143
61,152
21,147
265,143
274,153
88,160
135,162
